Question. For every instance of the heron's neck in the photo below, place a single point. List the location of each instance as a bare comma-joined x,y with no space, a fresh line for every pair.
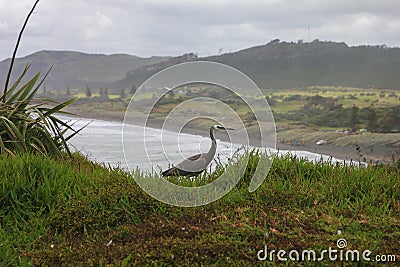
213,147
212,135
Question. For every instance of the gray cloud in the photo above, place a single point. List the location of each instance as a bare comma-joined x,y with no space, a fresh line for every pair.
173,27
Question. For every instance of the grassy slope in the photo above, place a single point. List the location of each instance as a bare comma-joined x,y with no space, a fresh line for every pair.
66,212
362,97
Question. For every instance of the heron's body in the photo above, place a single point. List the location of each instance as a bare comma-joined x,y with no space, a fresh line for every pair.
196,164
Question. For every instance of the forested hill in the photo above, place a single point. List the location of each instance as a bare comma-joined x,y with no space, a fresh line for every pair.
273,65
287,65
77,69
137,76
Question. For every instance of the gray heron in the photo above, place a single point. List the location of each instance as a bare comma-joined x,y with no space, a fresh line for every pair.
196,164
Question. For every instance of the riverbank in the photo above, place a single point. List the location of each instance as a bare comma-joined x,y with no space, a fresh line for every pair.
367,147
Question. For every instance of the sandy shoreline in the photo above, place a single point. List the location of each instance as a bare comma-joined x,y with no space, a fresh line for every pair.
380,153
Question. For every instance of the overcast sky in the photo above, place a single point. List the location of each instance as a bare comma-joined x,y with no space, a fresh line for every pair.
174,27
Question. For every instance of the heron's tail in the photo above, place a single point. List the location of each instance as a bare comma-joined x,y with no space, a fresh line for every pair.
169,172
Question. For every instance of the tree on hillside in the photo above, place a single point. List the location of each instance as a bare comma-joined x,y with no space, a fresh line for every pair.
133,89
372,118
88,91
171,94
353,119
390,121
313,102
122,94
271,101
105,93
68,93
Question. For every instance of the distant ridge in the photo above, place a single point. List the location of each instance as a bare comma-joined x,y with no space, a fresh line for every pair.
273,65
139,75
78,69
288,65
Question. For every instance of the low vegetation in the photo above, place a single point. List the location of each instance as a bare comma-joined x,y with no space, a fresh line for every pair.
338,108
78,213
28,124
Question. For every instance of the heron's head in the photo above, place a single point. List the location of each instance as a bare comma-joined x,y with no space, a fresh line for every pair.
219,127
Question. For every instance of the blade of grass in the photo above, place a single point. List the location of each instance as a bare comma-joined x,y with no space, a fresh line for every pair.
15,52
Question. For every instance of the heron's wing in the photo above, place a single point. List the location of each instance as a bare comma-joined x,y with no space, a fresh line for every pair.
193,164
174,171
195,157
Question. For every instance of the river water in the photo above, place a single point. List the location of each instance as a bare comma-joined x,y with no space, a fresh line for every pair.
102,142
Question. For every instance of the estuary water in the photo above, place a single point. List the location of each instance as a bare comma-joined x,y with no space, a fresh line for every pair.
102,142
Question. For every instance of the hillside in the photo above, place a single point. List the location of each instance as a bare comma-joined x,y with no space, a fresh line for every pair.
287,65
78,69
274,65
290,65
139,75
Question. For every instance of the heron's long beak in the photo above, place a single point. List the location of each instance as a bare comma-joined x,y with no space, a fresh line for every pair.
230,129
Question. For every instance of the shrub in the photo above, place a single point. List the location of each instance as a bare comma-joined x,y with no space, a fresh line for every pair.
28,124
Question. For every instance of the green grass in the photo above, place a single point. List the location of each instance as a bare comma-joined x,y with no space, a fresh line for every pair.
284,107
364,96
67,212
